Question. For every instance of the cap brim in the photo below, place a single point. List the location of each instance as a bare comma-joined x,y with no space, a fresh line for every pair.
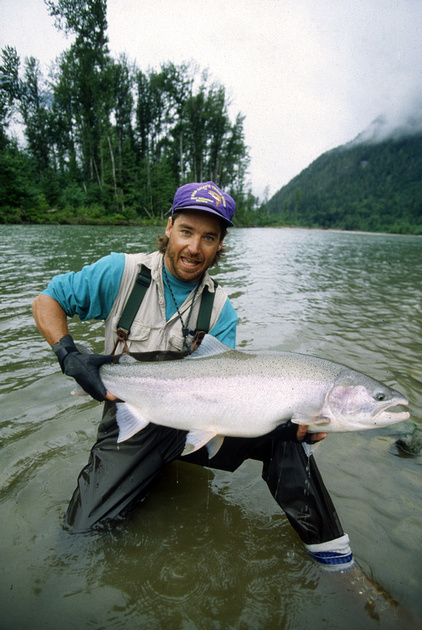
226,222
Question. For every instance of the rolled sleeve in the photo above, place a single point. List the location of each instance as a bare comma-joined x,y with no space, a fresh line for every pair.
90,292
225,328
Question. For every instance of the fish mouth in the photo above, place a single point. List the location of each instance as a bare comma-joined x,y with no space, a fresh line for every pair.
390,413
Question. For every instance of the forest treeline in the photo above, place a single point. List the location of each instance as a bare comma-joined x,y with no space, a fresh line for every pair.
365,186
106,141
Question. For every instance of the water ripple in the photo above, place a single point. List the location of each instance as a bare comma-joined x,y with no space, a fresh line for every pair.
210,549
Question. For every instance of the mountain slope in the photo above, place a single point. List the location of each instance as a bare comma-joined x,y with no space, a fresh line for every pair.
359,186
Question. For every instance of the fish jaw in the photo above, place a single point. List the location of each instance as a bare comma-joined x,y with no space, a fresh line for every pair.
359,408
386,416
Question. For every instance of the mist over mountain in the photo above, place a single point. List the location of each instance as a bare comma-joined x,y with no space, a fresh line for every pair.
391,127
373,183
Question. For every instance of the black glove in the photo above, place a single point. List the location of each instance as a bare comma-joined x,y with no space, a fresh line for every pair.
84,368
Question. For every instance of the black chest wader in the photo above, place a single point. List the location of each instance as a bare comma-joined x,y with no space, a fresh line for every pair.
117,477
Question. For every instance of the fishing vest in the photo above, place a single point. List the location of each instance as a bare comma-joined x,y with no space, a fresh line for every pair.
149,329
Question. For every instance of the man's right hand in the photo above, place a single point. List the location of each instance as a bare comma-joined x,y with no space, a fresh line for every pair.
84,368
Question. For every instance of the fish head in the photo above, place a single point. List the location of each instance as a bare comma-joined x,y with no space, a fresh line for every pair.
356,406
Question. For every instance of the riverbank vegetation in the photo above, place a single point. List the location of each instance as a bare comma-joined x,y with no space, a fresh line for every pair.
104,142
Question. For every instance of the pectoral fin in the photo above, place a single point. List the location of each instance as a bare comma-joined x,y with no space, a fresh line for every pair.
299,418
130,421
78,391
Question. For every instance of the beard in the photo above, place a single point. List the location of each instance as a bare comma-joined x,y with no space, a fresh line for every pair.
172,260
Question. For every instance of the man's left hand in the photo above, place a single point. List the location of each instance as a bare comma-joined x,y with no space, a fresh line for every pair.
315,437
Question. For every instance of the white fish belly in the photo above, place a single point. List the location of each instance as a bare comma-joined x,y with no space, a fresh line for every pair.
242,406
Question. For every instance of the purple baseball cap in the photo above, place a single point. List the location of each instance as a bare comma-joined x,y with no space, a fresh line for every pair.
207,197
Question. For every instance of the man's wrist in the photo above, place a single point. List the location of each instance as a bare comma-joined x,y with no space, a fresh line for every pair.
62,348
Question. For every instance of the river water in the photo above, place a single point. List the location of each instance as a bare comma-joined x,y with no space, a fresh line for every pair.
209,549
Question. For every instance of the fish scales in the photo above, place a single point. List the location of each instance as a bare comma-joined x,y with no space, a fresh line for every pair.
225,392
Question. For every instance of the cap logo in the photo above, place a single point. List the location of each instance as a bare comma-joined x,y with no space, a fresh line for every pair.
218,199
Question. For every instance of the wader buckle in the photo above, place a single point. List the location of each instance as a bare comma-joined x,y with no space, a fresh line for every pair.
122,335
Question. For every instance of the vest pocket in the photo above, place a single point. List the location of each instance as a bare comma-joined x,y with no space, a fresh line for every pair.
139,332
176,341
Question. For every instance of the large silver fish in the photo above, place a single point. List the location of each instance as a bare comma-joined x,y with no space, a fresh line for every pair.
217,392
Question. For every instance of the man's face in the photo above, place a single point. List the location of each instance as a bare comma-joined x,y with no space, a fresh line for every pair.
194,240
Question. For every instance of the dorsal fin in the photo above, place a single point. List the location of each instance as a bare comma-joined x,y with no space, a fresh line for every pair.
210,347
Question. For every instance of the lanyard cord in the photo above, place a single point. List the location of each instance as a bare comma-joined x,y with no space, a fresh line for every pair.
185,329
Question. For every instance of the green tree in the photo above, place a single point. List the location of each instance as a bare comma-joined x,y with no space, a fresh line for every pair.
103,134
86,83
9,89
18,193
34,107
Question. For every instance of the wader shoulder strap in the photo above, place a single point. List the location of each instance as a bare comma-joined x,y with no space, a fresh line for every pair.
140,287
205,310
204,317
132,305
137,295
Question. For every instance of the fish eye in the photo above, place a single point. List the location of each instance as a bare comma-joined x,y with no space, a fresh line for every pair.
380,396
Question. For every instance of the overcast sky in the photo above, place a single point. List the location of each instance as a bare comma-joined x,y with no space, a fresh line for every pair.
309,75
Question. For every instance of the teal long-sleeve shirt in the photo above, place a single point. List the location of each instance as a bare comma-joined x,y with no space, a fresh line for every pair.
91,292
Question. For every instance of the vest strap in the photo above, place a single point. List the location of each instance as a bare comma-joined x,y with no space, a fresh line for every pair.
134,301
135,298
205,310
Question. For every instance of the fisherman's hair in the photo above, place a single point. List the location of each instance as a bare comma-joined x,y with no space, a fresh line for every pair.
163,240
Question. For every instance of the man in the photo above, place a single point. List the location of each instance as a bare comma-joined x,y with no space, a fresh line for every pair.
116,478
